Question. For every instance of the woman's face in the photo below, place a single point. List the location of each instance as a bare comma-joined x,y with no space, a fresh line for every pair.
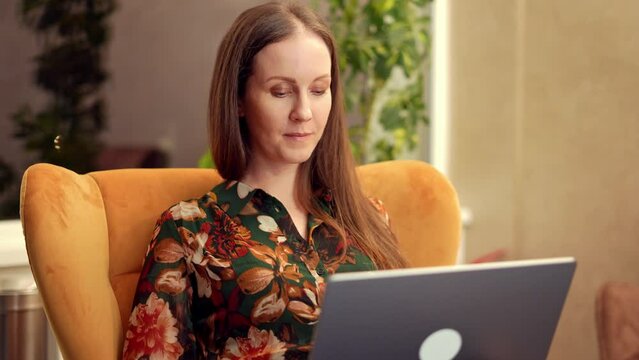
287,101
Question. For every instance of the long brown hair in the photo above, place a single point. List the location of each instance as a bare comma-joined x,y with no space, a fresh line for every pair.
331,166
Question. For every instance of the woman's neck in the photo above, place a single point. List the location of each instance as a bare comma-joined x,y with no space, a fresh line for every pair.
278,182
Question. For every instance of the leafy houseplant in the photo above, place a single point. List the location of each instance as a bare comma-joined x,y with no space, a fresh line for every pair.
73,34
384,46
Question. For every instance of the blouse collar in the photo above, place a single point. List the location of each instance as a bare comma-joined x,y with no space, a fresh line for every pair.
234,195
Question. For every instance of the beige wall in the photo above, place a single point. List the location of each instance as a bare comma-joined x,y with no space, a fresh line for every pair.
482,76
545,140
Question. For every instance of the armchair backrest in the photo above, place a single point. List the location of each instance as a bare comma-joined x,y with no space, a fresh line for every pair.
617,320
87,234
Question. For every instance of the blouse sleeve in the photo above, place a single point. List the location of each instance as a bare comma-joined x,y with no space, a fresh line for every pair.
160,323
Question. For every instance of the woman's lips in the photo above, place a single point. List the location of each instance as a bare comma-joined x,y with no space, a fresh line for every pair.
298,135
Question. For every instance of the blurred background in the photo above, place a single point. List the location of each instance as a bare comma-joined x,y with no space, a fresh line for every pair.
528,106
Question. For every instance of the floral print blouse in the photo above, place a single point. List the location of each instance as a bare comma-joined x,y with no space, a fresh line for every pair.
228,276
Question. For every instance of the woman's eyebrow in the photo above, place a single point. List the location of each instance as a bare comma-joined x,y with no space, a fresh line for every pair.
285,78
291,80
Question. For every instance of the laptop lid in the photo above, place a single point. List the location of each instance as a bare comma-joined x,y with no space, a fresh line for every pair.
503,310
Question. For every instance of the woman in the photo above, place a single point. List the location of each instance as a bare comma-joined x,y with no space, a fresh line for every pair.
240,272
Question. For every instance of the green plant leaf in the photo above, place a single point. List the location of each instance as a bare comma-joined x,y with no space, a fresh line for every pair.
206,161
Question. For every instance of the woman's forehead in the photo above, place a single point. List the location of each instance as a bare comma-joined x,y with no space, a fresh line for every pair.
303,55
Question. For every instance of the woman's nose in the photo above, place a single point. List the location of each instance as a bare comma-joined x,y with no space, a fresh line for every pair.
302,110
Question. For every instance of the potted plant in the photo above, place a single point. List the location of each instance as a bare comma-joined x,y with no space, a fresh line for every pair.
69,69
384,46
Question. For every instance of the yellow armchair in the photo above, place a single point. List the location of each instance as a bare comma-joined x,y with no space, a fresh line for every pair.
86,236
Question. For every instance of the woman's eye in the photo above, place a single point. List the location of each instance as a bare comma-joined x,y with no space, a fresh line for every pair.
280,93
318,92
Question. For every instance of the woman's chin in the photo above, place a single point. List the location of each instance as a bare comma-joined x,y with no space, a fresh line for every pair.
297,155
299,160
296,159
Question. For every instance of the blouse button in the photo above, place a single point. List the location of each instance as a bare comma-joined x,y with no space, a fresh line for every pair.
277,209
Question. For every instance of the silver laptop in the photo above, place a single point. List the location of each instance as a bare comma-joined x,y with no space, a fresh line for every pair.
503,310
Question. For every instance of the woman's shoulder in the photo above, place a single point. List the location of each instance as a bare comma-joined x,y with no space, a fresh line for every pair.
225,199
191,213
378,204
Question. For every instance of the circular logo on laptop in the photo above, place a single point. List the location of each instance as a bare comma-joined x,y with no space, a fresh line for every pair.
443,344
